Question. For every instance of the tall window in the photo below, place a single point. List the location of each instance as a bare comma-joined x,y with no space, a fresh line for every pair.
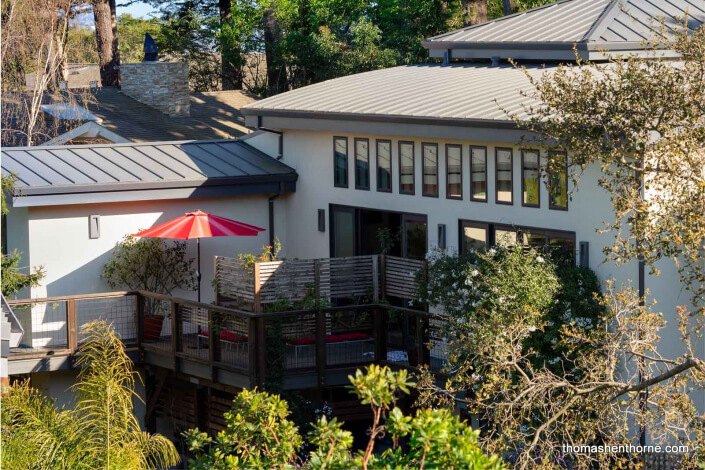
362,164
454,171
430,170
406,167
340,164
530,178
558,181
478,174
503,176
384,166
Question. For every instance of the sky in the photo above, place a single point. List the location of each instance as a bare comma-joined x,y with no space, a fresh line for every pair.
138,9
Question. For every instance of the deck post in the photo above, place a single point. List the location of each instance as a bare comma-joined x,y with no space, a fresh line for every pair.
213,345
253,364
383,276
72,326
424,354
257,305
321,353
375,278
175,336
380,334
139,324
261,352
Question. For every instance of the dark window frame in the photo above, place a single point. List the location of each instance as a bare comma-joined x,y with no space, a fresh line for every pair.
448,196
391,177
552,206
356,140
492,227
472,195
347,163
423,170
413,167
538,177
511,176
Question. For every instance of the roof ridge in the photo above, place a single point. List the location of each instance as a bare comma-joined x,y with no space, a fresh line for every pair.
501,18
601,23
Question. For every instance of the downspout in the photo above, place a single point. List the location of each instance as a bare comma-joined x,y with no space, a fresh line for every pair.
644,395
271,213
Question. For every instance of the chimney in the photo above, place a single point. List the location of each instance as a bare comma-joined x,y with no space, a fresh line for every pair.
161,85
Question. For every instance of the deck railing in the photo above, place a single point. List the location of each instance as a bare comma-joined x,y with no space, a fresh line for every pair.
216,342
253,286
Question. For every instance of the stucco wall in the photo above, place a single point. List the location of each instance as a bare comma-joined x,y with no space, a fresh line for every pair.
58,238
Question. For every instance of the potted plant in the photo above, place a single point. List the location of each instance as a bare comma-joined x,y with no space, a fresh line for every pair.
153,265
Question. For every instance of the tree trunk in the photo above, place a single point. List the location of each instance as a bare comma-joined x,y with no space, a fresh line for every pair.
474,12
508,7
276,71
106,35
230,70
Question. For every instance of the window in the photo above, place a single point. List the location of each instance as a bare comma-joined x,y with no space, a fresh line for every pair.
362,164
558,181
503,176
478,174
559,245
406,167
340,169
473,236
430,170
384,166
530,178
454,171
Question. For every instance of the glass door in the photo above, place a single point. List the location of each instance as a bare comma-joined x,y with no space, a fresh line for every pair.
414,242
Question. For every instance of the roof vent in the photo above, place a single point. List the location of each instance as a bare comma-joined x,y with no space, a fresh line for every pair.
495,61
447,56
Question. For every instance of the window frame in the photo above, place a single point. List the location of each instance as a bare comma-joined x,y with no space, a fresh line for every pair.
511,176
347,163
391,177
424,145
356,140
552,206
448,196
472,195
413,167
538,177
492,227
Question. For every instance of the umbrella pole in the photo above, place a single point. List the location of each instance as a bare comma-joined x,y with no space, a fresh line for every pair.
198,271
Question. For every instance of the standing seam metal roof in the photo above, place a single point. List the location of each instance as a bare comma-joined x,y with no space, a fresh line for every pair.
160,164
581,21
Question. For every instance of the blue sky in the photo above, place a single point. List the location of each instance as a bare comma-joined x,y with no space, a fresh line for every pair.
137,10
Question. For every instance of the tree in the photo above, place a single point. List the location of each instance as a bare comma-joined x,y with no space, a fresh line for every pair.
149,264
12,279
106,35
260,435
100,431
641,121
33,56
132,32
542,371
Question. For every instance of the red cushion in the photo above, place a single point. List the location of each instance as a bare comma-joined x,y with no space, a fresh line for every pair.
330,339
227,336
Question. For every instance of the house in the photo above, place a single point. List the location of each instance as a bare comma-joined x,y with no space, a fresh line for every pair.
424,150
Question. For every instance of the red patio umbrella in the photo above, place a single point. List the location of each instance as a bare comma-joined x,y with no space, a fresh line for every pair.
199,225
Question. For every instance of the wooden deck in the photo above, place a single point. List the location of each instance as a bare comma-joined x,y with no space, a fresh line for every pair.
227,346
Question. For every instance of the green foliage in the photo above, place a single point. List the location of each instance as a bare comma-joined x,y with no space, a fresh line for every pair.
81,46
150,264
131,32
101,430
7,187
258,422
258,435
12,279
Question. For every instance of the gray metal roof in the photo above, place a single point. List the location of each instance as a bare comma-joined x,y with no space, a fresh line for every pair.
463,92
549,31
54,170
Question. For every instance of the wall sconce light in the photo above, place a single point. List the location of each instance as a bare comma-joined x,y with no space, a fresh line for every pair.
321,220
584,254
93,226
442,236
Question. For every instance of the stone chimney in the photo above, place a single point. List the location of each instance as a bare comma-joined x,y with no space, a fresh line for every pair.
161,85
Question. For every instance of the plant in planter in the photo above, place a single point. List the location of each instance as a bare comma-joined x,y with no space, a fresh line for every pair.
154,265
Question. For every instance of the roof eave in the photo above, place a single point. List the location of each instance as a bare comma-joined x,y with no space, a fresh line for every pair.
388,118
152,185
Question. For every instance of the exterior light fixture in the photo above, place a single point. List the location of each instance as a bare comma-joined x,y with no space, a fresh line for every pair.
442,236
321,220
